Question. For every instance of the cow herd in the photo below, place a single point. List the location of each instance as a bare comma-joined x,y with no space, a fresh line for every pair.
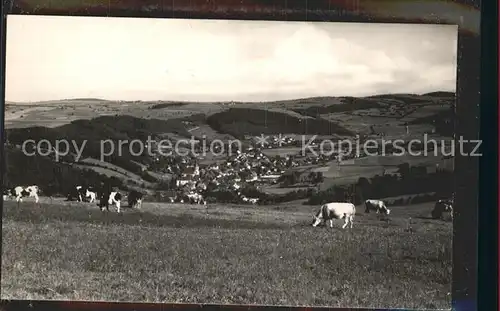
105,197
347,211
21,192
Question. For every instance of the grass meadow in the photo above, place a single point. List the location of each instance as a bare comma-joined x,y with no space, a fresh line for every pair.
230,254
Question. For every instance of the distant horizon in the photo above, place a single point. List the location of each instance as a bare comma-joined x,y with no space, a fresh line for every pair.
220,101
195,60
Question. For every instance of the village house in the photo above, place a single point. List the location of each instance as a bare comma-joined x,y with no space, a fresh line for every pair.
245,167
181,182
188,175
191,171
253,177
201,186
271,177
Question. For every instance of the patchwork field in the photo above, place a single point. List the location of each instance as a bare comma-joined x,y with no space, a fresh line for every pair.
57,113
225,254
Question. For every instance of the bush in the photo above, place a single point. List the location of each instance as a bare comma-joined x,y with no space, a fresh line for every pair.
423,198
223,196
251,191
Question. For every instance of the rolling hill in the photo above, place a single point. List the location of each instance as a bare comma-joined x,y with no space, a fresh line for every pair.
125,120
246,121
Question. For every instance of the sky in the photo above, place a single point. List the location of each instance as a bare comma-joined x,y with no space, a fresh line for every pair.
61,57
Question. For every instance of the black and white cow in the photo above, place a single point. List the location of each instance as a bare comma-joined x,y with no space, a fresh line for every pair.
135,199
195,198
91,194
82,194
7,193
335,210
442,206
21,192
108,198
77,193
376,205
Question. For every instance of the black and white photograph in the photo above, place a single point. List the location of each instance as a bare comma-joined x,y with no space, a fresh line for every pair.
242,162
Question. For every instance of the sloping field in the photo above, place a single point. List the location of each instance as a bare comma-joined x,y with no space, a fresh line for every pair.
225,254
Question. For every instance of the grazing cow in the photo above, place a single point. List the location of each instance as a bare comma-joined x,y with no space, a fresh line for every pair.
6,194
108,198
253,200
78,193
196,198
248,200
335,210
31,191
440,207
376,205
135,199
92,195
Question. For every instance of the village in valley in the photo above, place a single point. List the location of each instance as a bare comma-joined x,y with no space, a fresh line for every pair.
244,165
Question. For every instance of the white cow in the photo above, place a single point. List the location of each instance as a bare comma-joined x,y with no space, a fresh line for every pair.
31,191
91,195
335,210
115,198
249,200
253,200
196,198
378,206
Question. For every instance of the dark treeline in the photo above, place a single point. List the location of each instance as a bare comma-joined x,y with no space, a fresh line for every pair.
166,105
98,131
409,181
348,104
230,196
413,182
450,95
443,121
295,177
239,122
52,177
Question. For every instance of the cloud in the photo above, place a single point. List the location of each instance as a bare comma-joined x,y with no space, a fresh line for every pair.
118,58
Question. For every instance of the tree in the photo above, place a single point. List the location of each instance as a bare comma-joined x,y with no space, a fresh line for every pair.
404,170
318,178
364,188
312,177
